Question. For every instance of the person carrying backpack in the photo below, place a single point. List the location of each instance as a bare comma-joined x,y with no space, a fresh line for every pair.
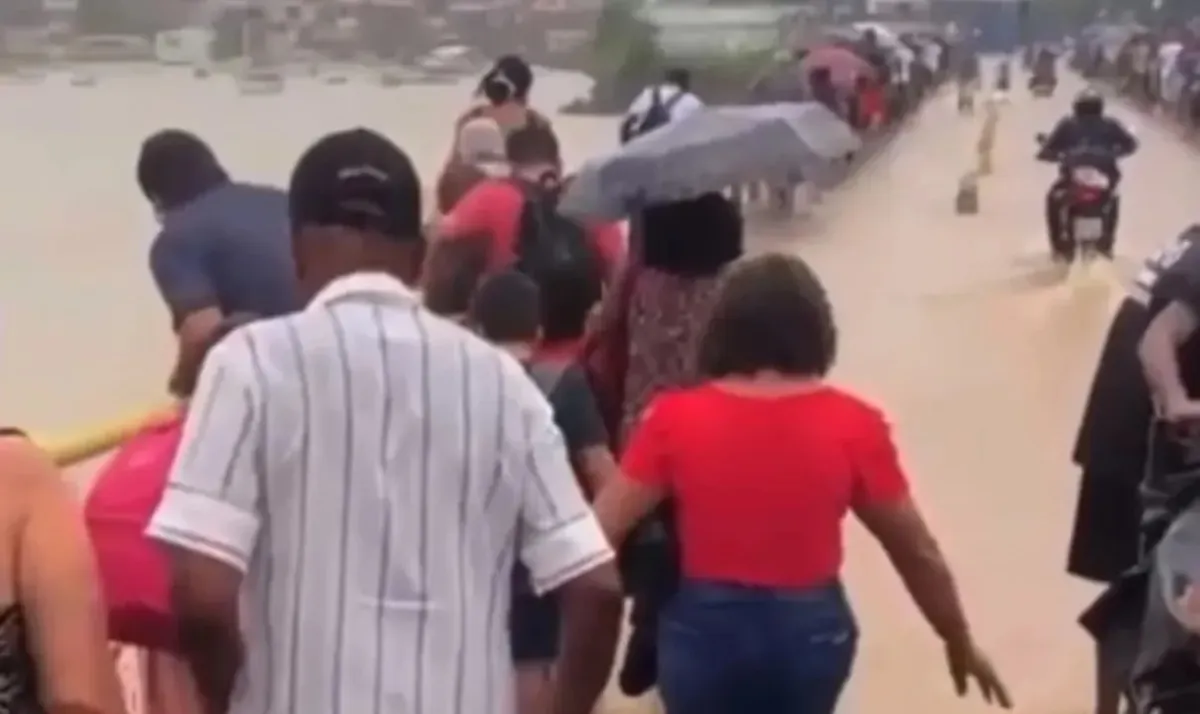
514,222
660,104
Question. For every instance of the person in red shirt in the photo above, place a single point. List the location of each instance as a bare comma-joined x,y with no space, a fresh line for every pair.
492,209
871,103
761,463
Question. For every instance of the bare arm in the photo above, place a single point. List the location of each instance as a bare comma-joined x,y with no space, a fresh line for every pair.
914,553
597,467
209,517
1159,352
179,268
59,590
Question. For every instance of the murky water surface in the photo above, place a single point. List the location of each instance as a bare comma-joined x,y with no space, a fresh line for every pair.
954,325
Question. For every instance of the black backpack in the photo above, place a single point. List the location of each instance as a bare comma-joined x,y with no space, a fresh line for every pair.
657,115
549,243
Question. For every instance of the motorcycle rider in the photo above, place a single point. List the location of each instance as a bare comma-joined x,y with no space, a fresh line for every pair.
1086,138
1043,68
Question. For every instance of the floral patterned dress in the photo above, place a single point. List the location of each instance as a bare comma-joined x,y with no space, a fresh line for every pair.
666,317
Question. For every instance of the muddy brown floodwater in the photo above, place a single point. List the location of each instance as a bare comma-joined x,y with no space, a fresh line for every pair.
955,325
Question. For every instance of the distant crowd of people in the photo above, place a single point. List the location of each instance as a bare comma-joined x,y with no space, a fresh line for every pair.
894,77
418,466
1159,69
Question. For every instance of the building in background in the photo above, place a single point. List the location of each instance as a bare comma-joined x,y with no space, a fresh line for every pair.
691,29
492,26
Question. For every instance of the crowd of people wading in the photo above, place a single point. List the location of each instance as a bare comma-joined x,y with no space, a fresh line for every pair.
1159,69
420,466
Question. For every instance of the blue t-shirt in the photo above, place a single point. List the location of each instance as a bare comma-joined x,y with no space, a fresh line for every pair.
230,248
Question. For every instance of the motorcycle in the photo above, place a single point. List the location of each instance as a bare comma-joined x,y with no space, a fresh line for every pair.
1088,204
1042,89
1090,200
1042,84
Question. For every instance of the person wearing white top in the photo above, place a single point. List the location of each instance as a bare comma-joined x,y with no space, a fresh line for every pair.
674,94
363,474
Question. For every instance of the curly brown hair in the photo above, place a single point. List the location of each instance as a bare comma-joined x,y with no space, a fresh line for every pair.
771,313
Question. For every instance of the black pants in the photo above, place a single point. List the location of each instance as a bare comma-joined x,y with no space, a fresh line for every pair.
1060,246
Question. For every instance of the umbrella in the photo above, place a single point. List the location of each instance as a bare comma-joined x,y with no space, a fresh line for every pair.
845,66
708,151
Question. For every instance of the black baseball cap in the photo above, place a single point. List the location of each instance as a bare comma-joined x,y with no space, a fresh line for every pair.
357,179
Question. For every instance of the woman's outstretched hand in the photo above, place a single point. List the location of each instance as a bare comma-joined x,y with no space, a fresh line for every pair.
966,663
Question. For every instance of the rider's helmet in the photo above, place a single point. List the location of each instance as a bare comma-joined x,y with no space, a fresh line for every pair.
1089,103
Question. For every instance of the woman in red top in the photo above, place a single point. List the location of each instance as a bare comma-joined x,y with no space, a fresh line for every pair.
762,462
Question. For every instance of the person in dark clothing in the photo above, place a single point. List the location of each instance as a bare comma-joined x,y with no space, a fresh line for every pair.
820,84
1114,446
1088,138
223,247
509,309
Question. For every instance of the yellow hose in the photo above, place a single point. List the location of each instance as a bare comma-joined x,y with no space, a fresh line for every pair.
71,449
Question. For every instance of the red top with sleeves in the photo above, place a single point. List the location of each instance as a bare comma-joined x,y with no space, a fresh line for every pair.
761,484
493,207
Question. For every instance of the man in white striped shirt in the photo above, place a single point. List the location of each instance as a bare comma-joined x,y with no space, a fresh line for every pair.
372,471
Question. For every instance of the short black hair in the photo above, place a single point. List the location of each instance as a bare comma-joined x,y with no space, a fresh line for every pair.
357,179
680,77
771,313
568,296
173,164
506,307
533,143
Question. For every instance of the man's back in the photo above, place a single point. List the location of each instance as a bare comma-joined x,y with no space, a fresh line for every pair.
238,236
1099,138
402,453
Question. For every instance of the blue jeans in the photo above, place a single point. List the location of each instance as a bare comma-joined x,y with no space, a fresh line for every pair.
733,649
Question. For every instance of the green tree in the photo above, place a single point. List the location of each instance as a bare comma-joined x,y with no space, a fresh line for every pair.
625,52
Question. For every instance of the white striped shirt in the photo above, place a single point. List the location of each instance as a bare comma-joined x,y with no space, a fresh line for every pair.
369,466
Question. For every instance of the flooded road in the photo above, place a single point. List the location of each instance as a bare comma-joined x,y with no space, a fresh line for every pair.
953,324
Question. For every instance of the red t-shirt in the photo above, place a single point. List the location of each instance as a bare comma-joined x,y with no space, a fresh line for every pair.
493,208
761,485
